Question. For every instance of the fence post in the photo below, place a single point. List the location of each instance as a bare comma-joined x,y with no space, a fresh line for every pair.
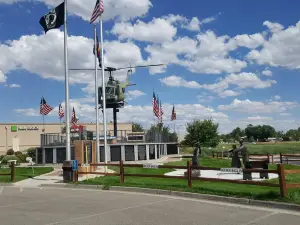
121,172
213,154
280,158
268,155
189,174
76,176
12,172
282,183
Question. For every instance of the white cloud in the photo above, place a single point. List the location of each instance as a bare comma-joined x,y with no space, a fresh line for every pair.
282,49
267,73
140,114
157,31
44,57
242,80
2,76
255,118
194,24
134,94
273,27
277,97
14,85
250,41
121,9
247,106
176,81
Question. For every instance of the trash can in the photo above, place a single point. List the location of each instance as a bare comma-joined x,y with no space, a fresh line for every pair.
68,173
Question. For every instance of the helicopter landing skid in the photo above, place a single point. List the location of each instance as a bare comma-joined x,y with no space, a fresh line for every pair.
111,106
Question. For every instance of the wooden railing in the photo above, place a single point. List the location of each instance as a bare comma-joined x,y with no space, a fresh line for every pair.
12,172
285,158
280,171
225,154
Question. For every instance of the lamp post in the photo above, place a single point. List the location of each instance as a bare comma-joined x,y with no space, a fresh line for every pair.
6,138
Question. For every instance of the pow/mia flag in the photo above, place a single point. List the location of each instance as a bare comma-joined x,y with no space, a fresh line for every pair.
54,18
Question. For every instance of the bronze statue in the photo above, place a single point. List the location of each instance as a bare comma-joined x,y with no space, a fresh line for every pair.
235,162
196,154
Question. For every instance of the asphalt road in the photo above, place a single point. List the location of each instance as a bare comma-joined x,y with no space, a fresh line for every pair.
36,206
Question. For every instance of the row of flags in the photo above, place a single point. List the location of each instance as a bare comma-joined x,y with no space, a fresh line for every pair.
45,109
158,109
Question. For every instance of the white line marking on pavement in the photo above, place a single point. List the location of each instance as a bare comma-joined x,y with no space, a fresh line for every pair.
111,211
259,218
1,190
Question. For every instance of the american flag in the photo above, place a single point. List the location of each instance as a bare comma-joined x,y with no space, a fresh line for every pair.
44,107
60,111
155,105
98,10
161,112
173,116
74,119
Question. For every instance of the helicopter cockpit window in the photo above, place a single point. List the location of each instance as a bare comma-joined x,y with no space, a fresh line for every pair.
110,91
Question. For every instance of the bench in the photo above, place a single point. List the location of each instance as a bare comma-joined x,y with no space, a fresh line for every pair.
257,164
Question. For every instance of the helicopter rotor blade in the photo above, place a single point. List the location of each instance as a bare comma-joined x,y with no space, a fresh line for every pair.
139,66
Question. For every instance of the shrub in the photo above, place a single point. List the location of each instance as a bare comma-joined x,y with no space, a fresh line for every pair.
31,153
21,156
10,157
10,152
1,157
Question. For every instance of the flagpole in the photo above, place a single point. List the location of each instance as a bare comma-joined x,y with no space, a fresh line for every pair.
103,92
96,98
68,141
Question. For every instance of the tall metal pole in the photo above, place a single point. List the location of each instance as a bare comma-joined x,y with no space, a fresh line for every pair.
103,91
67,108
96,98
6,144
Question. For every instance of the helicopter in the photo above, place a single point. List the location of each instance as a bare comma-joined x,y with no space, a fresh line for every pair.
115,90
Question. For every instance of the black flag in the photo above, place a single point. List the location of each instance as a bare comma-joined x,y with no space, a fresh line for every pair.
54,18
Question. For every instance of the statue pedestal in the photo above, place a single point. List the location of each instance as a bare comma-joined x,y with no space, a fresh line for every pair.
195,173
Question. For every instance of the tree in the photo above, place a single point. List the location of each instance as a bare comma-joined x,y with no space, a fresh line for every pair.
137,127
161,133
205,131
237,133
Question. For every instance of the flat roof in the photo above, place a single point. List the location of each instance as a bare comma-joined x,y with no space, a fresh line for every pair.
22,123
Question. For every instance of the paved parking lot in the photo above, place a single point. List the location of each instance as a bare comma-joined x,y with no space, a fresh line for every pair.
38,206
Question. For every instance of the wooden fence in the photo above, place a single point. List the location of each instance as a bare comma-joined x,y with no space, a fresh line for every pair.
280,171
12,172
285,158
225,154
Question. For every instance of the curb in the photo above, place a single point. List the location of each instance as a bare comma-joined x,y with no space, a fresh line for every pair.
243,201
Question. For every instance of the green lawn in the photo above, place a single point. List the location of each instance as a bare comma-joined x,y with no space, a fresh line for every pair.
260,148
215,188
22,173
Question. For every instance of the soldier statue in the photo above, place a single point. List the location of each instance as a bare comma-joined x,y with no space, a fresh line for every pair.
245,157
196,154
235,162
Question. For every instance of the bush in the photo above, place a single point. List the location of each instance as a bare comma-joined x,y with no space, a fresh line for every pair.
10,157
31,153
10,152
21,156
1,157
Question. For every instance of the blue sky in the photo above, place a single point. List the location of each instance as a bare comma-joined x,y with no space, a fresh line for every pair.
234,61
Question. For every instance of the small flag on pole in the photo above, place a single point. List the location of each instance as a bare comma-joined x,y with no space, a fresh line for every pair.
98,52
155,105
173,116
74,119
98,10
44,107
161,112
54,18
60,111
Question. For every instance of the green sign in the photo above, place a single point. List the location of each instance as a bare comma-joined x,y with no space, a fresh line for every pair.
14,128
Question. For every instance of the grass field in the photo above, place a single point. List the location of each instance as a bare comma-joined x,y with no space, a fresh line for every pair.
22,173
261,148
215,188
